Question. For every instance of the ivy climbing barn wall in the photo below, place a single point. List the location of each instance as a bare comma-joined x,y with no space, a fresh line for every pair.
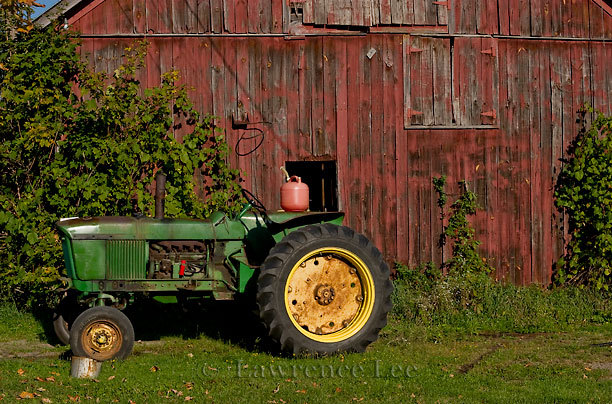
396,92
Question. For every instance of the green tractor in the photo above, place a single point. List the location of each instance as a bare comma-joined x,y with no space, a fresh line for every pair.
319,287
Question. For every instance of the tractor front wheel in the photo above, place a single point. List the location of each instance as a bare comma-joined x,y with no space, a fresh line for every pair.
324,289
102,333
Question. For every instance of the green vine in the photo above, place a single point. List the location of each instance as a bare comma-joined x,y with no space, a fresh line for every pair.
465,256
584,193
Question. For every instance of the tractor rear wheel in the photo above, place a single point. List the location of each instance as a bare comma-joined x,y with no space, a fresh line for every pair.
324,289
102,333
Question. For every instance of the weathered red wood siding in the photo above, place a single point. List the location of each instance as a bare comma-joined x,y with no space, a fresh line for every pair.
493,101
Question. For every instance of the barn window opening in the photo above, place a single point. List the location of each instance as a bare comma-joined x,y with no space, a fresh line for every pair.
296,10
322,180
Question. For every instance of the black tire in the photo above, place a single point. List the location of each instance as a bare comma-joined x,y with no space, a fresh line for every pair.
102,333
303,250
63,316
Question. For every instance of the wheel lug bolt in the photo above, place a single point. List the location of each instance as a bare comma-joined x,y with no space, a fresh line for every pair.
352,271
360,298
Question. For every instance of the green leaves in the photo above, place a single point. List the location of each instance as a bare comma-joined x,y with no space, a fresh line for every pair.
584,193
466,258
93,152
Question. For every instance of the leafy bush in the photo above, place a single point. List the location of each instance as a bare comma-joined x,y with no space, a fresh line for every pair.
584,193
77,143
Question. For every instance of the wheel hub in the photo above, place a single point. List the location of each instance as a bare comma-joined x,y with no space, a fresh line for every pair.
102,340
324,294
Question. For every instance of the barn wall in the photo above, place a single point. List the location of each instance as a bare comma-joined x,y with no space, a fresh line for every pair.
395,110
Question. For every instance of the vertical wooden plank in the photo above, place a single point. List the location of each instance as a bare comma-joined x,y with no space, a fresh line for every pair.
546,164
331,7
253,15
179,16
408,11
241,15
488,82
556,63
297,146
426,83
265,16
352,204
523,175
229,15
503,7
278,106
243,63
375,160
306,69
204,16
356,12
216,16
308,12
579,26
401,152
501,219
342,118
365,135
514,16
554,18
277,15
139,13
393,9
535,160
382,10
320,13
318,124
388,155
596,27
325,140
414,110
566,18
442,11
601,89
537,17
442,82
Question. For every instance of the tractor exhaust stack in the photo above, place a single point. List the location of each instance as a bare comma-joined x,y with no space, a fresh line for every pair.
160,194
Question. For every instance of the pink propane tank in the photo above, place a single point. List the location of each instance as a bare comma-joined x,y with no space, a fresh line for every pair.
294,195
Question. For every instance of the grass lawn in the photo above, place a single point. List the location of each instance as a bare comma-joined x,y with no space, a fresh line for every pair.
217,355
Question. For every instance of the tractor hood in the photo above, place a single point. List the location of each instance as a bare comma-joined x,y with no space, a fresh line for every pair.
145,228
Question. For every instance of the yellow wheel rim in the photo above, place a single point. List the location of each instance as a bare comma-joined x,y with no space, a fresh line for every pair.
101,340
329,294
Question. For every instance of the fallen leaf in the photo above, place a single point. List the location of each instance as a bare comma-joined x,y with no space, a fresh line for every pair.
585,376
276,389
131,402
451,375
188,398
412,395
26,394
301,391
111,377
55,373
588,369
357,399
75,398
46,400
189,385
20,371
40,379
50,379
338,389
190,355
41,389
154,368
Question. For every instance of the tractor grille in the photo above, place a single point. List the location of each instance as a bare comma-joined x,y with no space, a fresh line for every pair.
126,259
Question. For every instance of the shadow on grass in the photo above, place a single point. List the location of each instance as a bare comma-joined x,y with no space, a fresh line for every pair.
232,322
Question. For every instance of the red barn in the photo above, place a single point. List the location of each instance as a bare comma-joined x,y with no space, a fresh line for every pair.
370,99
